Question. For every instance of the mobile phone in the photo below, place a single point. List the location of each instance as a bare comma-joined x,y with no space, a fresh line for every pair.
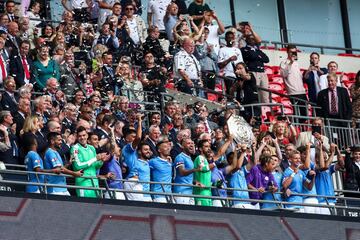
316,129
272,135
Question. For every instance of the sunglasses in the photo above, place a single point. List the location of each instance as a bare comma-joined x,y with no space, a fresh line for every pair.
130,9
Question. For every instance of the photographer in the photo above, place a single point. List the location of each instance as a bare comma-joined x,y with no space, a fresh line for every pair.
290,71
245,88
312,75
108,38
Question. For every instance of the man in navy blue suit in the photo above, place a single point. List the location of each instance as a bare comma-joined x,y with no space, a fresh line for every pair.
334,102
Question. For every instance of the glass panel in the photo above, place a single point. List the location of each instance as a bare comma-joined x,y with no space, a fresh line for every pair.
354,19
262,14
315,22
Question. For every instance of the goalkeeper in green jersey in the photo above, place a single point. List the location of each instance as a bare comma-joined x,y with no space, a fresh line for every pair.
84,157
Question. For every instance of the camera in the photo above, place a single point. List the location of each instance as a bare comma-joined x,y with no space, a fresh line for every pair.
281,118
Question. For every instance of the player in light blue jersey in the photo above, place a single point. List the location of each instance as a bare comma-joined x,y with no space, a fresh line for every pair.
161,171
53,161
278,176
324,183
130,158
33,162
143,168
308,166
184,166
294,181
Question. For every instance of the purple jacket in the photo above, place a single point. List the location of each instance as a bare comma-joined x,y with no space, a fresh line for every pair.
258,178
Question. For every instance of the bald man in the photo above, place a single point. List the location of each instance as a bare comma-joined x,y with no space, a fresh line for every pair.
187,68
13,41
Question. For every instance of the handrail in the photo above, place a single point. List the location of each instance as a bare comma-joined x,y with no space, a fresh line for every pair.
164,183
188,195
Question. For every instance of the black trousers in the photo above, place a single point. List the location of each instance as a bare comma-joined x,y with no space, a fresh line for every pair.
301,107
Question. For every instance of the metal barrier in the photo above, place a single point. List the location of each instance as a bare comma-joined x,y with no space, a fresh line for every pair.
170,196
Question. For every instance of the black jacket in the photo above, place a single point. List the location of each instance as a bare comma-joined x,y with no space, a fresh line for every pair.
344,104
352,179
19,120
17,69
7,103
254,58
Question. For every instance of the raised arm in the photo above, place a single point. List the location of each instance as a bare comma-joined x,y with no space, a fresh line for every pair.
223,148
308,156
138,137
321,158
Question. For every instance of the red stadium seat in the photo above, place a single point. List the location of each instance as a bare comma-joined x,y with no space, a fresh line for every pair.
275,86
276,69
351,75
347,55
288,111
277,79
348,83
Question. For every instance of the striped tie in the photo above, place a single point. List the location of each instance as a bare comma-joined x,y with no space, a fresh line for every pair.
333,110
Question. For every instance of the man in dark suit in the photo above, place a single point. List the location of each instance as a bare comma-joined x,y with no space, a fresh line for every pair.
103,130
334,102
20,115
13,41
177,148
108,83
70,118
10,10
20,64
170,109
9,100
152,140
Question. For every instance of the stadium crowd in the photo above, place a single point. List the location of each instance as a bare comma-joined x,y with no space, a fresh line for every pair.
84,97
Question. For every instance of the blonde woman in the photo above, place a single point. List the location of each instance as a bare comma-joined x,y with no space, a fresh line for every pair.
32,127
132,87
284,132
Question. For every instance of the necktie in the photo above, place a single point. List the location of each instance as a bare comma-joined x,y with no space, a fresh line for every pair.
26,69
333,103
13,98
2,66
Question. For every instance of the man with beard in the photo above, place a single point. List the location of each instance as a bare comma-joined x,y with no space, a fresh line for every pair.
184,172
130,158
53,160
203,177
143,169
161,171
